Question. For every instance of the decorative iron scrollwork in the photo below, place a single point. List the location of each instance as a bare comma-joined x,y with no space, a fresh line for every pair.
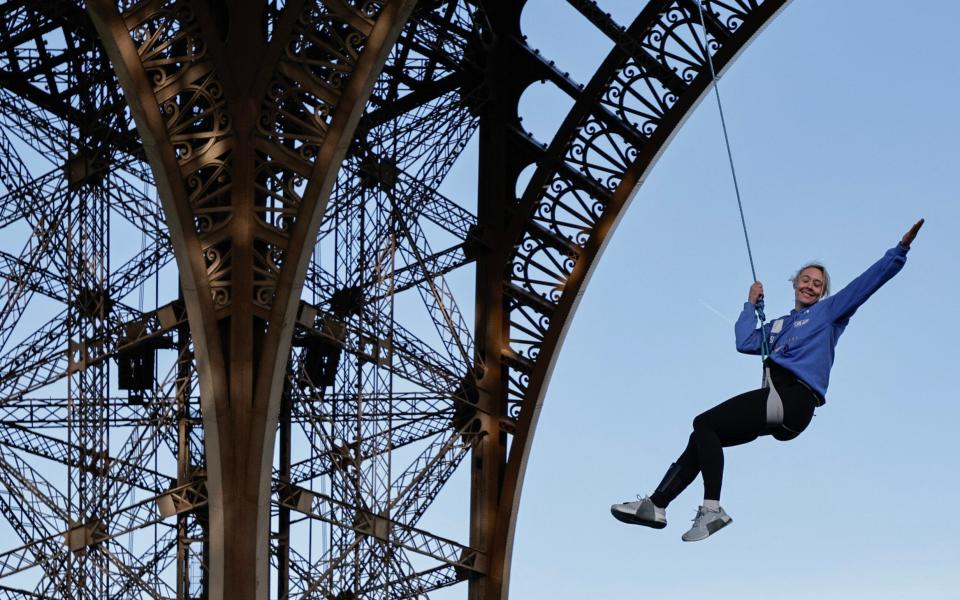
218,262
600,153
268,260
731,14
568,210
637,97
676,40
541,268
280,186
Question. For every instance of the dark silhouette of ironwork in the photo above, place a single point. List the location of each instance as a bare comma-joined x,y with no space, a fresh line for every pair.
245,341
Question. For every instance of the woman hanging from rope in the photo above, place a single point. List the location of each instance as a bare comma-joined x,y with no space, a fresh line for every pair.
797,371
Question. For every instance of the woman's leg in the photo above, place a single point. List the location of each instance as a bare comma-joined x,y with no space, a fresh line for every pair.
678,476
737,421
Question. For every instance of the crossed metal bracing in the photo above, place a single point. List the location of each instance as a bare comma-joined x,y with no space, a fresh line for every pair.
425,326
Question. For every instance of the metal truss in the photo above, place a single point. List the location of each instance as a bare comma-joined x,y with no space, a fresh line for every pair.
246,343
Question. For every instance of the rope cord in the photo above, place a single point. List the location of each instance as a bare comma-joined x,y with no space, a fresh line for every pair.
764,349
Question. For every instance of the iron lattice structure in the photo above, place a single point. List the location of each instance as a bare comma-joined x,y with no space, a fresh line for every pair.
245,341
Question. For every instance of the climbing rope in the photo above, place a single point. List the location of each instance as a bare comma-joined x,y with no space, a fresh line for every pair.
764,349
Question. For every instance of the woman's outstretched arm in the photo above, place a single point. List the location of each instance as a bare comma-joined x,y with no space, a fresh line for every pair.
845,303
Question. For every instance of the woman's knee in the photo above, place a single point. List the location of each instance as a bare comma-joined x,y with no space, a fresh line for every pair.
702,421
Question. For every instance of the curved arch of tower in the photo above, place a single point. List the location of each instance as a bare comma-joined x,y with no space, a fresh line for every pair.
248,347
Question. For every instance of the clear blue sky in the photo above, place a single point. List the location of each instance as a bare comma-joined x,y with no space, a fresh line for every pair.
843,117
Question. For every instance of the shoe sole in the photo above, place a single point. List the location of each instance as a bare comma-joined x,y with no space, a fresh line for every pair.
633,520
712,528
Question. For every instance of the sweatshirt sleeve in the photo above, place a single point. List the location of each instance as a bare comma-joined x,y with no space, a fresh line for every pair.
746,330
845,303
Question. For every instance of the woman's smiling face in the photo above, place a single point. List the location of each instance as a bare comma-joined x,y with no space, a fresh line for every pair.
808,287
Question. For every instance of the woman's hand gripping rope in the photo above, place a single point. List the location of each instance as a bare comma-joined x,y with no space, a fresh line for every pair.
756,293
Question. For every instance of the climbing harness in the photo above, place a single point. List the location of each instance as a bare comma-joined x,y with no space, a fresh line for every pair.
764,348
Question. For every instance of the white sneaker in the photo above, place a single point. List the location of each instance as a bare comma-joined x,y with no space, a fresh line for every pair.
642,512
706,523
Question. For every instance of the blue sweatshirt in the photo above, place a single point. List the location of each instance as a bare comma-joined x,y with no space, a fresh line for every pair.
804,341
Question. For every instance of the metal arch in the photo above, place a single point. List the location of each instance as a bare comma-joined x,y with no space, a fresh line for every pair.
621,122
225,141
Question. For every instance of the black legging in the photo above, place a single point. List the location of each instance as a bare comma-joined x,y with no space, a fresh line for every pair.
739,420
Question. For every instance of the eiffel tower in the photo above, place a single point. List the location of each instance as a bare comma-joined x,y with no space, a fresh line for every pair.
248,346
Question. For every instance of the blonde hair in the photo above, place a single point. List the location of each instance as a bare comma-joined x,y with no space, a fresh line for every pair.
822,269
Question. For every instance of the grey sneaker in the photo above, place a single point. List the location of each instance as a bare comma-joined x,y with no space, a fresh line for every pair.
642,512
706,523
